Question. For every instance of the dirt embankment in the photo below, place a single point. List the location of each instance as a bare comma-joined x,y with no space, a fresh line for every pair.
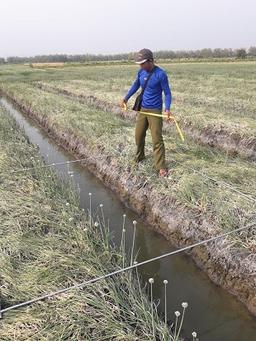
230,142
231,267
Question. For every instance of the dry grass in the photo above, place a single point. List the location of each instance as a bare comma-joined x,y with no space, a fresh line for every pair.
46,65
216,95
190,188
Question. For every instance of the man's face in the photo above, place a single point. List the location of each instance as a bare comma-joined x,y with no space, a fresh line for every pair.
147,66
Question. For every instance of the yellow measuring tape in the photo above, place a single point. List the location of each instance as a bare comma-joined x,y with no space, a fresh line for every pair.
163,116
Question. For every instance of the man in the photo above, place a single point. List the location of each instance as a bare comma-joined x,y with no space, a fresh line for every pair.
152,102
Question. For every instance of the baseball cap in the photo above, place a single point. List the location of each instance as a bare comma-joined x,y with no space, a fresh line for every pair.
144,55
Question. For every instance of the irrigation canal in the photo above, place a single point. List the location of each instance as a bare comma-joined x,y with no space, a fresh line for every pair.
213,313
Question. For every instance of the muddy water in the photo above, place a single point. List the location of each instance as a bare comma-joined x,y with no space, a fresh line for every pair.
213,313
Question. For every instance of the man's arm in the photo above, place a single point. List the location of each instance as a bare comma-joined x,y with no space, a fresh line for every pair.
167,91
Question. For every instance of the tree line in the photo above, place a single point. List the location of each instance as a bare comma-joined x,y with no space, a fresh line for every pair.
164,54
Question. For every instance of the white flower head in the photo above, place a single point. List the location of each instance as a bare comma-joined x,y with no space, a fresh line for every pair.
124,215
101,205
134,222
67,203
184,305
90,194
151,280
194,334
70,219
96,224
165,281
177,313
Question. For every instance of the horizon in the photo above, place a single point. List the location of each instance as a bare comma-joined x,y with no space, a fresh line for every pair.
128,52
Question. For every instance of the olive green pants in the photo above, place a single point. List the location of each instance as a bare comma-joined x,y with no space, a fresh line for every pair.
155,125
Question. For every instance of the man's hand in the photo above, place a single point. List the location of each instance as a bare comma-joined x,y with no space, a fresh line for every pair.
169,115
123,104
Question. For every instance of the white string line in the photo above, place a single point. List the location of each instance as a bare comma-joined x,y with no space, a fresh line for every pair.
220,182
45,166
94,280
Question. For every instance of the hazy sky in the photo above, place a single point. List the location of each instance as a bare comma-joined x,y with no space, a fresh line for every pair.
31,27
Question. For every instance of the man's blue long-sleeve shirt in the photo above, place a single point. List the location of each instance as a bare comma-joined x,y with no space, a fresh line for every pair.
152,96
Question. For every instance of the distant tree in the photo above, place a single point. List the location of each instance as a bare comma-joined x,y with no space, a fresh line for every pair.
241,53
252,51
162,54
217,53
206,53
2,60
228,53
131,56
